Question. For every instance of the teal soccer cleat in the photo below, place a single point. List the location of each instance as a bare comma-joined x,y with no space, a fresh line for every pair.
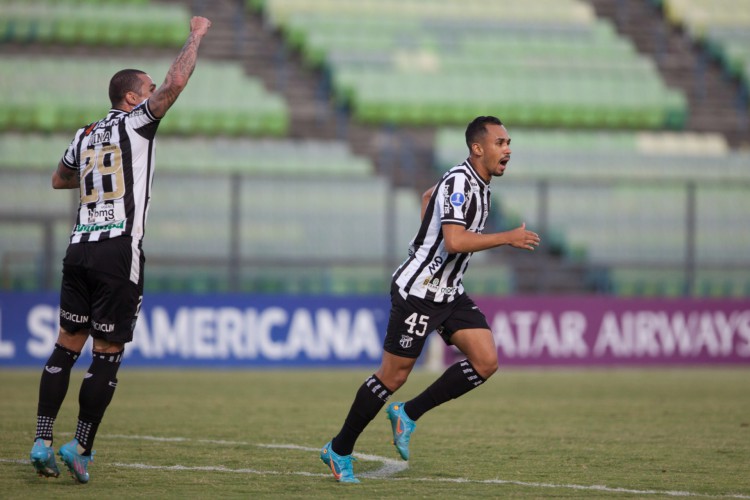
43,459
341,466
402,427
76,463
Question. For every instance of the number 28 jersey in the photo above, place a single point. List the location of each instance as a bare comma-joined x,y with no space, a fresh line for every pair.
114,158
461,197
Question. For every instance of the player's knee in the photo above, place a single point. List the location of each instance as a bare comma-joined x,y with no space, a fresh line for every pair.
486,366
107,347
393,379
489,370
73,341
400,378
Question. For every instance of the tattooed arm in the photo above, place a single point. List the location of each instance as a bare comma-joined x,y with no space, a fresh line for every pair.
180,70
64,177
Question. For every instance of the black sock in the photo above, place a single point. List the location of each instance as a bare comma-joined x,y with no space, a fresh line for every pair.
370,398
53,387
456,381
97,390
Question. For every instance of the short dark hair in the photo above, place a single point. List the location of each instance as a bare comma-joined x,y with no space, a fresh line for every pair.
477,128
124,81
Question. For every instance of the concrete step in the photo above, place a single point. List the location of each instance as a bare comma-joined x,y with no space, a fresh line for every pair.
712,98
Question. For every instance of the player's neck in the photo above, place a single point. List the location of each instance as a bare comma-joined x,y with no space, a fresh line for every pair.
476,166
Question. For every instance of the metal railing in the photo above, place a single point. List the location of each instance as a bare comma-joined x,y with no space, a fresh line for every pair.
238,232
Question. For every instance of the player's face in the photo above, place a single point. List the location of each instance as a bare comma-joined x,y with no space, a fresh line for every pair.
495,146
147,87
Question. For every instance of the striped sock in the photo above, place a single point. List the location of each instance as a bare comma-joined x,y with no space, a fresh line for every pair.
370,398
456,381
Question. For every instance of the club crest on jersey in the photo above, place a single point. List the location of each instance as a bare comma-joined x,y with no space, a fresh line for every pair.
405,341
457,199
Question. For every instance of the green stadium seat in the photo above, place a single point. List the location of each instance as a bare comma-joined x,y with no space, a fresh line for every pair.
637,211
220,100
401,63
722,27
94,23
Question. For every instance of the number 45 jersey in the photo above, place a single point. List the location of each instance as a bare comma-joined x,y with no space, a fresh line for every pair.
114,158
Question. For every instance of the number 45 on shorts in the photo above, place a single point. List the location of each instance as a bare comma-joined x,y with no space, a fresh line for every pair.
417,324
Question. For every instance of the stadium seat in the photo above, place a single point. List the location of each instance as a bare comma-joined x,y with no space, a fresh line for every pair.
220,100
721,26
393,62
620,197
94,23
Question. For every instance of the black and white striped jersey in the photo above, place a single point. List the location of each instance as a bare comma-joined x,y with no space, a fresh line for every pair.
114,158
430,272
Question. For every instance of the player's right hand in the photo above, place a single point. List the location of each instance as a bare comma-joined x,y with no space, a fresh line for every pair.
199,25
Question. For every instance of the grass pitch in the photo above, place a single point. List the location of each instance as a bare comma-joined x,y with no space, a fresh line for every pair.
655,433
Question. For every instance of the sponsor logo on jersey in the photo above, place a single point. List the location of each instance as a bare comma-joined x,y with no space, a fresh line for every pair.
435,264
92,228
103,213
113,122
435,287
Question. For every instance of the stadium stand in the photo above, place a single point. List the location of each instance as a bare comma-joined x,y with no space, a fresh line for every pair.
597,150
722,27
409,63
209,131
221,99
93,23
618,198
252,156
46,94
293,199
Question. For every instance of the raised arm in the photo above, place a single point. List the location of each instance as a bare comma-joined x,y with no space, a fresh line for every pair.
180,70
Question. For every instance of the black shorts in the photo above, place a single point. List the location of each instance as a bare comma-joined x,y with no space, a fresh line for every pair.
97,292
412,319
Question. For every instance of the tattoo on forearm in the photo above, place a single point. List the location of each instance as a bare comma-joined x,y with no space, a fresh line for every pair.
185,61
183,66
67,175
179,71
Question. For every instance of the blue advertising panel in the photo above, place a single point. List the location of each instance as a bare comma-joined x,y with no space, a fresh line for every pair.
259,331
233,331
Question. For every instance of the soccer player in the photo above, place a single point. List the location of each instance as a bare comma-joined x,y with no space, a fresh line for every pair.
111,162
427,294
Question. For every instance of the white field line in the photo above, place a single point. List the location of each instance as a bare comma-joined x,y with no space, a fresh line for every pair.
389,468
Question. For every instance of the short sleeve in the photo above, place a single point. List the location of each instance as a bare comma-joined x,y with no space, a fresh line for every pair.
69,157
141,116
453,200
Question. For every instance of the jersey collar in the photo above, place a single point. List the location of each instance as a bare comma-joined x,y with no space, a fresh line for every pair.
475,174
